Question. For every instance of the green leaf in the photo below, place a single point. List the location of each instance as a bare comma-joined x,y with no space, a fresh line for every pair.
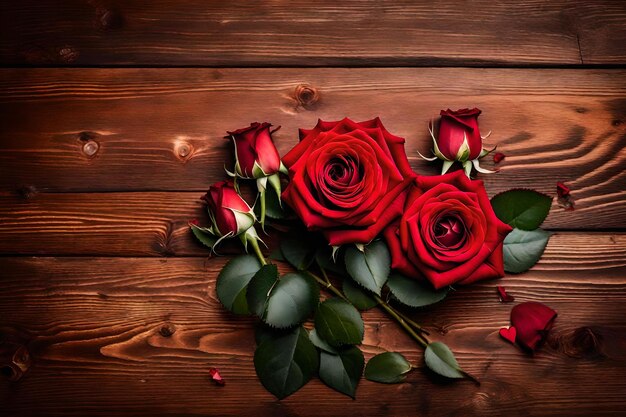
283,302
262,332
339,323
259,289
523,209
291,300
324,257
371,267
204,237
387,367
414,293
321,343
233,280
298,252
357,295
440,359
277,255
522,249
285,363
343,370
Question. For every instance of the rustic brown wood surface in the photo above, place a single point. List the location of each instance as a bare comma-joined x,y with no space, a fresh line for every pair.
318,33
101,169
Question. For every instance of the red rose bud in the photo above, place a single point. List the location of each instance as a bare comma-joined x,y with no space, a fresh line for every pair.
459,139
230,214
533,321
255,153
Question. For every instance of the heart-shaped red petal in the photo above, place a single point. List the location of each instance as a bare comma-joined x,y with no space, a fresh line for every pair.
508,333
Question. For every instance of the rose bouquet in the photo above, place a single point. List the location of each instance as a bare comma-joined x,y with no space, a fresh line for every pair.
359,224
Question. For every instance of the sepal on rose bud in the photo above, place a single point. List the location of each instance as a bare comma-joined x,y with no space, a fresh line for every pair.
459,140
228,212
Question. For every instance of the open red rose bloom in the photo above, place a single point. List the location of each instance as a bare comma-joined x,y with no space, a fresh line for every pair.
448,232
347,179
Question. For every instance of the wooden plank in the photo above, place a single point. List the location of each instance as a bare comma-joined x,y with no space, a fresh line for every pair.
321,33
156,224
553,125
129,335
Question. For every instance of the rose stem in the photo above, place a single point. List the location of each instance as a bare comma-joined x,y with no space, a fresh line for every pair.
418,338
324,274
393,313
405,318
257,251
330,287
412,323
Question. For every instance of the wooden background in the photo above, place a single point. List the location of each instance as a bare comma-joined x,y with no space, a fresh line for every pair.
112,116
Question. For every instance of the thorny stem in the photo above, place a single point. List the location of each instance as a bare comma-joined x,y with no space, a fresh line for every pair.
418,338
402,320
330,287
392,312
257,251
324,274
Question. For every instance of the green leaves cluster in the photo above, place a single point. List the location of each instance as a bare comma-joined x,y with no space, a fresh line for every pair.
287,356
524,210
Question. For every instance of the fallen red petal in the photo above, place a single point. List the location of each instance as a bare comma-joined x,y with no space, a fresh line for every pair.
562,190
508,333
533,321
504,297
214,373
498,157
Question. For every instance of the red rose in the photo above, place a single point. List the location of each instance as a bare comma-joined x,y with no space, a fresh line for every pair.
459,138
230,214
347,179
448,232
255,153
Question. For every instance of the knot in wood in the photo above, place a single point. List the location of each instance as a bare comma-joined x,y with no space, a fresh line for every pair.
166,330
584,342
27,192
109,18
68,54
90,148
306,95
15,361
183,150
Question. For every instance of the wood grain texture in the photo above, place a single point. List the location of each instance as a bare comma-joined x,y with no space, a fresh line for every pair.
355,32
156,224
553,125
128,335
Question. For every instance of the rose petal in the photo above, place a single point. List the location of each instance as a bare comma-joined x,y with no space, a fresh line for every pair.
562,190
498,157
508,333
214,373
504,297
533,321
